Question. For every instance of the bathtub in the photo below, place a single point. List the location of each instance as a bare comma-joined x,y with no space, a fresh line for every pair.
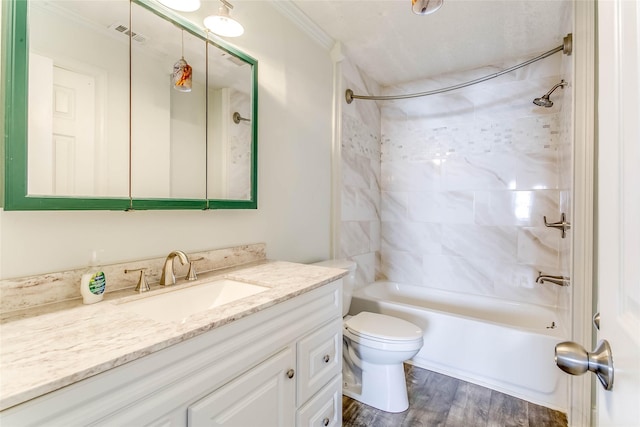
505,346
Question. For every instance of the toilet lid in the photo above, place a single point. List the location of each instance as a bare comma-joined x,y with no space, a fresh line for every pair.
382,326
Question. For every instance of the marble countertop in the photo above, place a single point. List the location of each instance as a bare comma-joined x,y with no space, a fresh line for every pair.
53,346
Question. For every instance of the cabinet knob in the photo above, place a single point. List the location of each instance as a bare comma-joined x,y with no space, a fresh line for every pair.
325,422
326,358
290,373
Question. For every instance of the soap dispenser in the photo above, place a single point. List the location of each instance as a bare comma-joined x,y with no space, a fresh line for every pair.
93,282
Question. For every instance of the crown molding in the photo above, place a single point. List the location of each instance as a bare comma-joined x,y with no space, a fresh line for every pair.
292,12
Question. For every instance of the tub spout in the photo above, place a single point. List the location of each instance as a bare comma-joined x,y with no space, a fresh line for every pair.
558,280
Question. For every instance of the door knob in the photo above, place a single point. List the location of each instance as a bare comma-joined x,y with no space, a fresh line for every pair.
575,360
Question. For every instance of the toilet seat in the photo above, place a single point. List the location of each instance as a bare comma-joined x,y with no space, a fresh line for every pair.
382,331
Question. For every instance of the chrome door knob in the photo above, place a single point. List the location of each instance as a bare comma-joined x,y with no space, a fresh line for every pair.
575,360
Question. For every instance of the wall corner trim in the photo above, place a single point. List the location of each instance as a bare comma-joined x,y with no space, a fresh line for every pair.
292,12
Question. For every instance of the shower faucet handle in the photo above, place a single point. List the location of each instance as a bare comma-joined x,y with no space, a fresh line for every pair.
562,225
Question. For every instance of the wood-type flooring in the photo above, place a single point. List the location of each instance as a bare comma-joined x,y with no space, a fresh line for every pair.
439,400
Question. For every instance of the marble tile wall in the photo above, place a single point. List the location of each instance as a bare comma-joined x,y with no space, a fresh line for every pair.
566,176
360,171
466,178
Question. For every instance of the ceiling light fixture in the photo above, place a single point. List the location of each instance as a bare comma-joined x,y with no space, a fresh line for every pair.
181,5
222,24
425,7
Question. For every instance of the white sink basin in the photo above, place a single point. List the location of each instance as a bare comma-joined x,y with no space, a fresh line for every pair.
182,303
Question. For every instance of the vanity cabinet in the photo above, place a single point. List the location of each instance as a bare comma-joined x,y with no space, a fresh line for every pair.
278,367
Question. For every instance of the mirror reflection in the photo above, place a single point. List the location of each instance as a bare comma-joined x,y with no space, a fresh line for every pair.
230,150
109,116
168,123
78,114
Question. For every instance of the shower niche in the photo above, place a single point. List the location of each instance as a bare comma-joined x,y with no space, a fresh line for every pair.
103,124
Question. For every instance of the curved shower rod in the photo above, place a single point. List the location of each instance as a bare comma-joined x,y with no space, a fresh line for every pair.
566,48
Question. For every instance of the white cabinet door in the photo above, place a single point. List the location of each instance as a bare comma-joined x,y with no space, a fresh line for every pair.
262,396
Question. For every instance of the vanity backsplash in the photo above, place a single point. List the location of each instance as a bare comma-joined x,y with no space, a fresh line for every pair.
31,291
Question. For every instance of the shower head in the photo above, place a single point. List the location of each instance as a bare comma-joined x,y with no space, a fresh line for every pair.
544,101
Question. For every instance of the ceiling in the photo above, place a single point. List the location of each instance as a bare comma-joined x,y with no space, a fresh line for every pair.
394,46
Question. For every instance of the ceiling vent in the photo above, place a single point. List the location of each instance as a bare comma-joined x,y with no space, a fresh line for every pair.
123,29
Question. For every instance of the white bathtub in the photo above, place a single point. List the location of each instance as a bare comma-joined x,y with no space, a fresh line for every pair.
505,346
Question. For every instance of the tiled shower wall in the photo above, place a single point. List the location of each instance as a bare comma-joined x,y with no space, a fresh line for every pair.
565,164
466,178
360,170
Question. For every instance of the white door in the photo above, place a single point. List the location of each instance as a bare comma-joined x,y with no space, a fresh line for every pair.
619,207
74,102
61,129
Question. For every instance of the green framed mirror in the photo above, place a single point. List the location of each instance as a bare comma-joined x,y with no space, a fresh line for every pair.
93,119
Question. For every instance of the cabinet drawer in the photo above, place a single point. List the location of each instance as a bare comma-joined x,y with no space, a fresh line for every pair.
319,357
325,409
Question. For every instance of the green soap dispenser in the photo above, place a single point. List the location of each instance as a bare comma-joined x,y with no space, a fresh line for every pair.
93,283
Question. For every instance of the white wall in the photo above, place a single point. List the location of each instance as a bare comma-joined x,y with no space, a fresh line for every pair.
295,76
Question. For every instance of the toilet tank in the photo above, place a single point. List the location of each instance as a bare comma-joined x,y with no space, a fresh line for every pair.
348,281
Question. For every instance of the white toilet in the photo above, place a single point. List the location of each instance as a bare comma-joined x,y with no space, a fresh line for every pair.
374,347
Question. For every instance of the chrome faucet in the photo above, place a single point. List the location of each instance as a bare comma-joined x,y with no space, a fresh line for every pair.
558,280
168,277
